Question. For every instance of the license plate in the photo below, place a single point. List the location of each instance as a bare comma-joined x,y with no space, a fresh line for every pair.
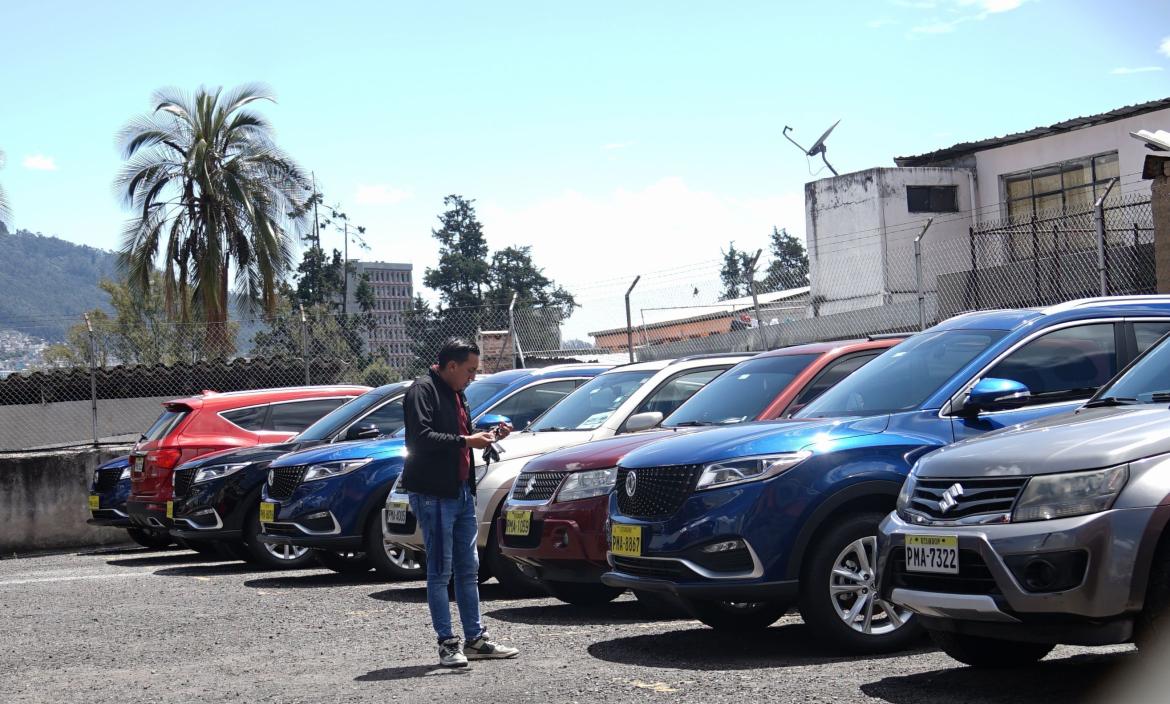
518,523
396,512
95,502
267,512
932,553
170,509
626,540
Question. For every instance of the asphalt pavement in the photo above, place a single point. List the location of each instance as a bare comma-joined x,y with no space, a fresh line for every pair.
130,625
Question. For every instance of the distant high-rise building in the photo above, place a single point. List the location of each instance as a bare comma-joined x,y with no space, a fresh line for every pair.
393,292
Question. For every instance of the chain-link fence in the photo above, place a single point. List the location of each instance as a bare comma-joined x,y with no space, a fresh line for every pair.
105,381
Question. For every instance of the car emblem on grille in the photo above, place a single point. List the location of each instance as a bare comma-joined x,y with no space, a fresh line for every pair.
950,498
631,483
530,485
271,477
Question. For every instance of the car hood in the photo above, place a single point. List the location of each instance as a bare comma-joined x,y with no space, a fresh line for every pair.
255,453
1090,438
525,444
358,449
116,463
599,453
760,438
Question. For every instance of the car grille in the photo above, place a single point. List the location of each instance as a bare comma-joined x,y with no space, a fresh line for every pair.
658,491
183,480
285,481
107,479
973,578
978,497
655,569
537,486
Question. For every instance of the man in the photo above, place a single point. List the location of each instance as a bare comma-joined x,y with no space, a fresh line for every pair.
440,478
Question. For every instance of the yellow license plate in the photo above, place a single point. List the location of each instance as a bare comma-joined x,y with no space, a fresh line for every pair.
932,553
518,523
170,509
267,512
95,502
626,540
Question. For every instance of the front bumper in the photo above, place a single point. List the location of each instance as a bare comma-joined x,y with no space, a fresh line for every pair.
216,509
566,542
989,598
110,518
328,513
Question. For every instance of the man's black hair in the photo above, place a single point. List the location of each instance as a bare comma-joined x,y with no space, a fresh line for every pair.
457,350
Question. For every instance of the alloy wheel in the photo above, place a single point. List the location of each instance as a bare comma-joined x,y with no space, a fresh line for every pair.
285,552
401,557
854,594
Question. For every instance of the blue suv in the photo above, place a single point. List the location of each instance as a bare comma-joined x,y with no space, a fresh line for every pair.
331,498
108,493
743,523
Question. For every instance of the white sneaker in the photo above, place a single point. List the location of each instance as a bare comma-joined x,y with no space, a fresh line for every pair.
450,655
484,649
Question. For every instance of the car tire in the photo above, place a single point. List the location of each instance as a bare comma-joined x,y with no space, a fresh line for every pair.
147,538
660,605
1153,623
391,562
737,617
977,651
847,613
583,593
272,557
347,562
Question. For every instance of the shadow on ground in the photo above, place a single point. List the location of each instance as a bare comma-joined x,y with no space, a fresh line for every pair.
123,550
1082,678
491,591
154,559
211,570
314,580
787,645
561,614
411,671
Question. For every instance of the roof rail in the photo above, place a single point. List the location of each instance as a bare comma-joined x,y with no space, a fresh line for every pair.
890,335
712,355
1103,301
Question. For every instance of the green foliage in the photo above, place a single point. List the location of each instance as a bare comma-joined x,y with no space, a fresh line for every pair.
378,373
462,273
789,265
736,273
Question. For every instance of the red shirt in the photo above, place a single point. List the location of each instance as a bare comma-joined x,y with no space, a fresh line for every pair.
464,429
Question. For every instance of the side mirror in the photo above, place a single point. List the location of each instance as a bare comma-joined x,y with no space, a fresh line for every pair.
643,421
491,420
368,431
990,392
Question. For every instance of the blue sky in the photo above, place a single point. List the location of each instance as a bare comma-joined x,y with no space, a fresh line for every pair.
615,138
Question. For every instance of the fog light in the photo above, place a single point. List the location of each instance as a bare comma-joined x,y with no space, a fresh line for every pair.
315,516
725,546
561,538
1050,571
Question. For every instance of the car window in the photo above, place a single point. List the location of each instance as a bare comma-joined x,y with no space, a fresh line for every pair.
592,404
337,419
247,418
1147,333
829,377
295,416
669,396
1065,364
478,392
1148,376
742,393
164,424
525,405
388,417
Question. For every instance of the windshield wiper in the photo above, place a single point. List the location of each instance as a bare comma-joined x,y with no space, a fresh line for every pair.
554,429
691,424
1160,397
1114,401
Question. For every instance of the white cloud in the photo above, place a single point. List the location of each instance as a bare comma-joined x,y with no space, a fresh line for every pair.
39,162
996,6
1125,71
947,15
1164,47
381,194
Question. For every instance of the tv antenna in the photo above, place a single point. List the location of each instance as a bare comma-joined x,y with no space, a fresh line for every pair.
818,146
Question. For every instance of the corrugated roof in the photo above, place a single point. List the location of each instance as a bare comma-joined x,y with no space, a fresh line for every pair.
1076,123
659,317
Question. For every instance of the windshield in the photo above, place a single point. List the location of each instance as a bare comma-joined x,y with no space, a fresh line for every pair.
165,424
905,376
1150,375
742,393
478,393
592,404
334,420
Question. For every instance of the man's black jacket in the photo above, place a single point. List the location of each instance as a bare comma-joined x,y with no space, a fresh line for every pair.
434,439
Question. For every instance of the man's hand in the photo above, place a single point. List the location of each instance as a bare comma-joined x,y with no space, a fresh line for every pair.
479,440
502,431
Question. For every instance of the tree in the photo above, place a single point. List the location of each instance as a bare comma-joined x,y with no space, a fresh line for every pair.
463,272
736,273
5,213
209,186
789,265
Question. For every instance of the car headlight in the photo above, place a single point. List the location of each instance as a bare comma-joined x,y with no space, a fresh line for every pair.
1072,494
585,485
906,493
481,472
217,471
125,474
748,469
325,470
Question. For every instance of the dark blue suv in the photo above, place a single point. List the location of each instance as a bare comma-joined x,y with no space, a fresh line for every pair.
331,498
108,492
745,522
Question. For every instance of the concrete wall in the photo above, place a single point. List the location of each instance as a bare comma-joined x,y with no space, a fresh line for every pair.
70,422
43,502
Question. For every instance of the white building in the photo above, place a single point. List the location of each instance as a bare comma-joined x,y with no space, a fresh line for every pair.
861,226
393,293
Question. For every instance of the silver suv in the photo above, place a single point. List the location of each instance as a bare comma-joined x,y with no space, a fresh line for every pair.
1048,532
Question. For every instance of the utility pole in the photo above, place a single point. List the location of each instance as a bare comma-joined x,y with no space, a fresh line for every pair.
756,298
629,321
918,275
345,269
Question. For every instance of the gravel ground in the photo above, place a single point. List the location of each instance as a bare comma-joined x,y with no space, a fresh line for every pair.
132,625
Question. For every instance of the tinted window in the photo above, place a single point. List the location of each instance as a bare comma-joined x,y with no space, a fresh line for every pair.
524,406
903,377
667,398
1149,333
247,418
592,404
388,418
165,423
340,417
295,416
829,377
478,392
742,393
1064,364
1151,374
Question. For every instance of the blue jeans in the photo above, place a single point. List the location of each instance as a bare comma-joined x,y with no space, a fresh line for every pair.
449,531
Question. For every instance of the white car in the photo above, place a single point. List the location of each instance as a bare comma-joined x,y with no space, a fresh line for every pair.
626,399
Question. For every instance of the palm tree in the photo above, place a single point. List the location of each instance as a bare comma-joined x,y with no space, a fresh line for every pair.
5,213
208,185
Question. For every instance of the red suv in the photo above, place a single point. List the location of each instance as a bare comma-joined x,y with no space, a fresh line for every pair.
553,524
191,427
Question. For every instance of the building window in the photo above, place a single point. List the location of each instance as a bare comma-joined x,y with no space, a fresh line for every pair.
1067,187
932,199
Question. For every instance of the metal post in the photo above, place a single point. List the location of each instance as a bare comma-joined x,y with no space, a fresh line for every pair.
973,283
629,322
305,343
918,275
512,330
756,298
1035,261
92,379
1099,216
345,269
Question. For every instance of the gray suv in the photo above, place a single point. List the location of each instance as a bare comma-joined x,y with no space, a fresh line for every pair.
1049,532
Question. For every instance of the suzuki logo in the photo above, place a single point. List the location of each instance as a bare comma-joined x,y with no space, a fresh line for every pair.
631,483
530,485
950,498
271,477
